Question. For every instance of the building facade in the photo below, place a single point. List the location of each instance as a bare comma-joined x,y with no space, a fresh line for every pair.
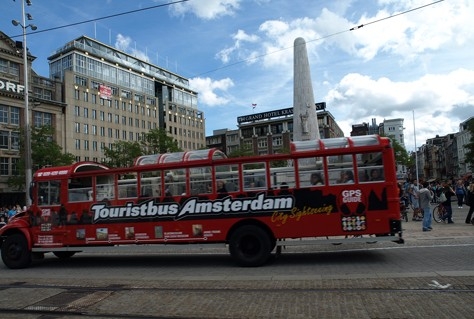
269,132
113,96
45,108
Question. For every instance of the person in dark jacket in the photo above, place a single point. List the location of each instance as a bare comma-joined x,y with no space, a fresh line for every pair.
470,201
448,192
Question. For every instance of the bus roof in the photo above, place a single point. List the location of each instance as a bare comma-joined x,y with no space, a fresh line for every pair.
339,142
180,157
68,170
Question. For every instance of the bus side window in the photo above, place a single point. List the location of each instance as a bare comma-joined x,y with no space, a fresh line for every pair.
229,173
254,176
105,187
370,167
200,180
79,189
127,185
150,183
311,172
282,172
49,193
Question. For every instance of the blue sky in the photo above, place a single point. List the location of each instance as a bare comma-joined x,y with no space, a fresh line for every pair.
239,52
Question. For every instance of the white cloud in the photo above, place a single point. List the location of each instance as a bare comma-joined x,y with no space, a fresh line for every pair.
207,87
208,9
225,54
433,98
124,43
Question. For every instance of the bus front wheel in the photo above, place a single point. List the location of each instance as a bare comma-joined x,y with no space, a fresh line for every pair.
250,246
15,253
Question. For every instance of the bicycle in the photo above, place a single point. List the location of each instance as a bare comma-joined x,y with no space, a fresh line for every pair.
439,213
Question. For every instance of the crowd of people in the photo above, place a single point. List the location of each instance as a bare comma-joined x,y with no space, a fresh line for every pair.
7,212
420,195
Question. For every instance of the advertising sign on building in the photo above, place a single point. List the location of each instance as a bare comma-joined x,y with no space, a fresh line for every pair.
105,92
6,85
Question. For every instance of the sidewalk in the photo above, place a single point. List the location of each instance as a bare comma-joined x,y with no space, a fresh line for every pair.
413,229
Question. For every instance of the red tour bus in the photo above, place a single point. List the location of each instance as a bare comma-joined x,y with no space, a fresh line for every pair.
324,191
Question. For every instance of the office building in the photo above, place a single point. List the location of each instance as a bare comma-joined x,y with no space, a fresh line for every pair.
114,96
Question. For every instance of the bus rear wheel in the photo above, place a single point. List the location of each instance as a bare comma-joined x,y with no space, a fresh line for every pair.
15,253
250,246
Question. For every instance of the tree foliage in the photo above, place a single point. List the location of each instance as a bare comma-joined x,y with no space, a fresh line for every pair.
240,152
157,141
123,153
401,155
44,152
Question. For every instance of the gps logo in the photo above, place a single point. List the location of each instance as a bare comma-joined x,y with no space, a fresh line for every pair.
352,196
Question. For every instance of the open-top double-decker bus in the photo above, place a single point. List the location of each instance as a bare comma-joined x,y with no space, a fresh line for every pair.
323,191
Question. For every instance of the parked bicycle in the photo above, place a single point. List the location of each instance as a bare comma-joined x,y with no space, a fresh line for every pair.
439,213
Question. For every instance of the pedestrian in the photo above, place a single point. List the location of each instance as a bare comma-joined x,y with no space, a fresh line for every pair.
413,190
425,196
11,212
448,192
460,192
470,202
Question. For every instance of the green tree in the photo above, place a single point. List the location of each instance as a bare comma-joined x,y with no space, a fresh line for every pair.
240,152
469,155
401,155
157,141
44,152
122,153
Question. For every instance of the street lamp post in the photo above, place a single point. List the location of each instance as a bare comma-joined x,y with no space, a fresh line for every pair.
27,148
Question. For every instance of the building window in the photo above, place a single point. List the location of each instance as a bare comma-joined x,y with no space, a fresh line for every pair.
78,144
9,67
77,111
4,139
4,165
80,81
9,115
86,112
4,114
42,119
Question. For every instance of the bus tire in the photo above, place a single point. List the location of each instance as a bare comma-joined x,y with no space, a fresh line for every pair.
64,254
250,246
15,253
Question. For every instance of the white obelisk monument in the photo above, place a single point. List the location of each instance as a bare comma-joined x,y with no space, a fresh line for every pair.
305,120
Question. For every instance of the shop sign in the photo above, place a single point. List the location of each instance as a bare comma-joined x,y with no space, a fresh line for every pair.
6,85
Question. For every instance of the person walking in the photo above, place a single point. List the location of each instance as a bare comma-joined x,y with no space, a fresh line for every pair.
414,200
448,192
425,196
460,192
470,202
